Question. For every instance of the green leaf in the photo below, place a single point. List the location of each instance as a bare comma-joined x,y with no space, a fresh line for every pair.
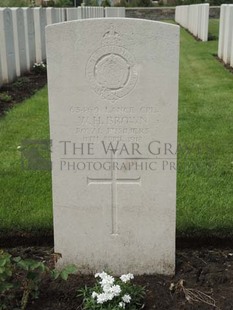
3,262
64,275
23,265
71,269
55,274
5,286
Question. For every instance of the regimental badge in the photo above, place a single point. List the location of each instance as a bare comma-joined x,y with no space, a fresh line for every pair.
111,69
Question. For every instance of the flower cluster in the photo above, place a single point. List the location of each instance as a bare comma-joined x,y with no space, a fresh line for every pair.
39,68
111,290
39,64
113,293
126,277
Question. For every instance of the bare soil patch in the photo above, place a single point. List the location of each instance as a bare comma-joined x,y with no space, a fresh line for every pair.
208,270
24,87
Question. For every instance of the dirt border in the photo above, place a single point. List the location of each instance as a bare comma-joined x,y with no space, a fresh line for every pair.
47,239
226,66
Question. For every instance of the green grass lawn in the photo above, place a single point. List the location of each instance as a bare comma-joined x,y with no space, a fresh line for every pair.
205,159
214,27
205,172
25,196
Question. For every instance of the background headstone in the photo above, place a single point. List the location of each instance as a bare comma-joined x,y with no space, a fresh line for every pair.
228,34
40,23
71,14
195,18
29,37
52,15
19,41
7,54
114,12
221,30
114,82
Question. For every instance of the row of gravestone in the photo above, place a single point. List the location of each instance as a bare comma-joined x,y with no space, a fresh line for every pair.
22,35
195,18
225,43
93,12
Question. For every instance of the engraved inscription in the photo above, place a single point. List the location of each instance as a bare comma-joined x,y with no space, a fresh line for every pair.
113,122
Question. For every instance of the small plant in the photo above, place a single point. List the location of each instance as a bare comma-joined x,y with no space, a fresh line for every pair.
4,97
21,82
64,3
105,3
20,280
39,68
113,294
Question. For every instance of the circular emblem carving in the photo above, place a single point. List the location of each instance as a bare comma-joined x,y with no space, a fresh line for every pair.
111,71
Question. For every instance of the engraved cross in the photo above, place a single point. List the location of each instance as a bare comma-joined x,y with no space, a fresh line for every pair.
114,181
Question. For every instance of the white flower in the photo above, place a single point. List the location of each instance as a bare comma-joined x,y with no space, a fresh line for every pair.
110,296
126,298
107,280
101,275
94,295
122,305
126,277
19,147
107,288
116,290
101,298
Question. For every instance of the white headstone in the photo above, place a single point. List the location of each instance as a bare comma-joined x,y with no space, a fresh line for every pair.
19,40
221,30
114,82
80,12
62,14
228,34
195,18
71,14
52,15
1,77
7,49
40,23
231,57
114,12
101,12
204,22
29,37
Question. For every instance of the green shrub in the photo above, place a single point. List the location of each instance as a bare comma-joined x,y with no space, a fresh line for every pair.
14,3
64,3
105,3
20,280
39,68
4,97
